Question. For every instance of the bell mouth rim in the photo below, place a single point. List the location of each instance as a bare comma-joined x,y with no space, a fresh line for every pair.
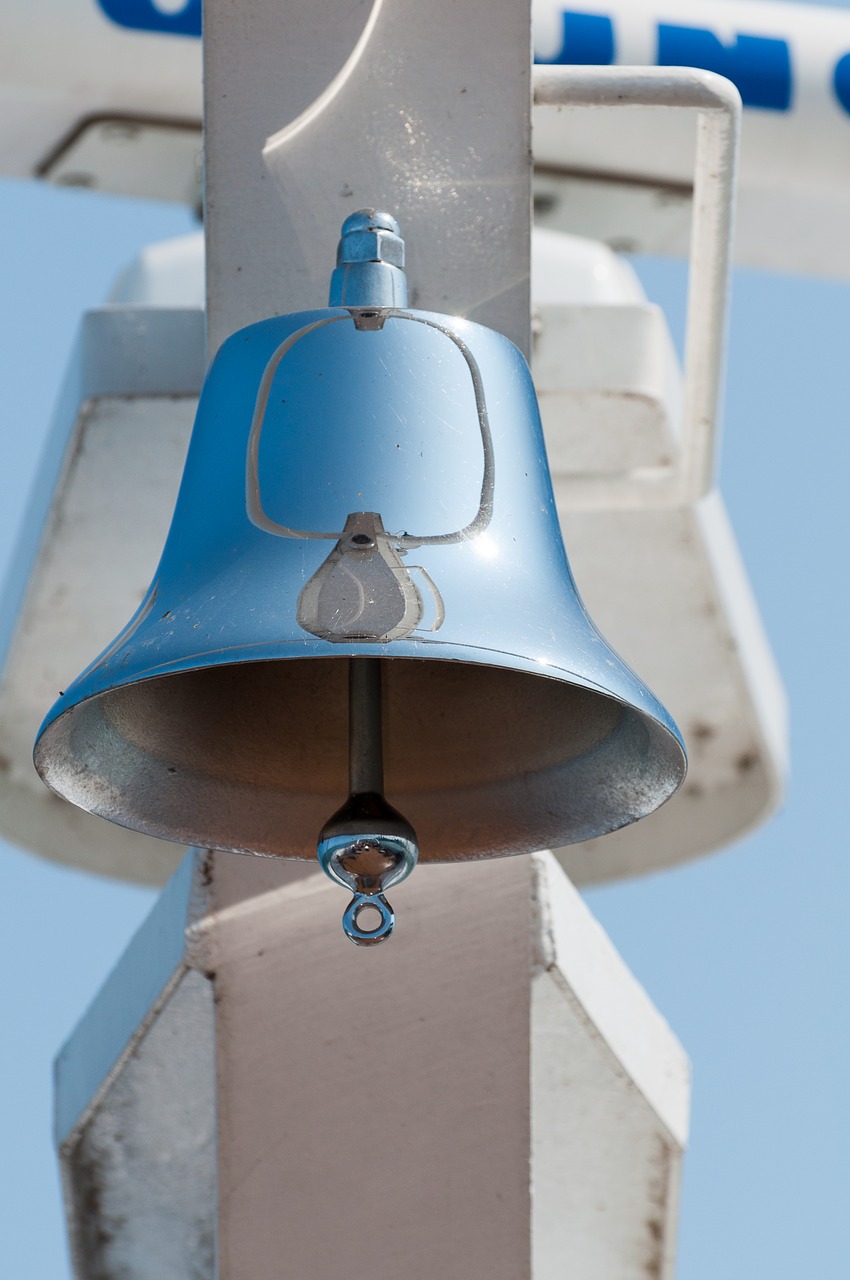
641,759
319,650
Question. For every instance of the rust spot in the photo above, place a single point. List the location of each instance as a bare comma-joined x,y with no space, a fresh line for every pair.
206,869
701,732
659,1190
97,1229
746,761
5,764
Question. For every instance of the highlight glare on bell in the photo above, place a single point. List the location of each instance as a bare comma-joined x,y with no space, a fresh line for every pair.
364,482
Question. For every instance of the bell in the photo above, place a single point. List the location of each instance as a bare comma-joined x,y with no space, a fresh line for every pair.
364,593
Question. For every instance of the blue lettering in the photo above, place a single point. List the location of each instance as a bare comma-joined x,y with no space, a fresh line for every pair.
146,15
588,39
759,65
841,81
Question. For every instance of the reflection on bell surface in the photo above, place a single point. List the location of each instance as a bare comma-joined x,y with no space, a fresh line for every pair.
364,482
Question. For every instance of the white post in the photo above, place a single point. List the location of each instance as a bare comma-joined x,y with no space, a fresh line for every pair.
374,1107
411,1153
426,115
490,1095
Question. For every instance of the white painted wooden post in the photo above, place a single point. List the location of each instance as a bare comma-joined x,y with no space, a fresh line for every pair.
430,120
412,1154
374,1107
375,1110
490,1096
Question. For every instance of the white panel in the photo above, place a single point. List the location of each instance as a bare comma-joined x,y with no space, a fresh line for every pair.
668,590
140,1174
625,177
610,392
88,549
64,61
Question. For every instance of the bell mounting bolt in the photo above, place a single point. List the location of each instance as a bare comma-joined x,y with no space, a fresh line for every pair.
369,262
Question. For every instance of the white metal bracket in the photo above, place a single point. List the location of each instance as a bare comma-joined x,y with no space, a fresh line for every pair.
718,105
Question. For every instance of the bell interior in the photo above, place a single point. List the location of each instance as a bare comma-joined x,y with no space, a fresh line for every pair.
253,757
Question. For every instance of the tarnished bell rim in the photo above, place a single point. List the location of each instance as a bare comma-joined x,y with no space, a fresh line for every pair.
464,794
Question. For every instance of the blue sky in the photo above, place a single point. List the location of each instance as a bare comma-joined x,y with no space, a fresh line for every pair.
746,952
62,930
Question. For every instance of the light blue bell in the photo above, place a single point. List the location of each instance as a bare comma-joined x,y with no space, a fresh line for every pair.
364,482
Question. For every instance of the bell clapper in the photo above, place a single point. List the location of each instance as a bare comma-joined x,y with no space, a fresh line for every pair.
367,846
